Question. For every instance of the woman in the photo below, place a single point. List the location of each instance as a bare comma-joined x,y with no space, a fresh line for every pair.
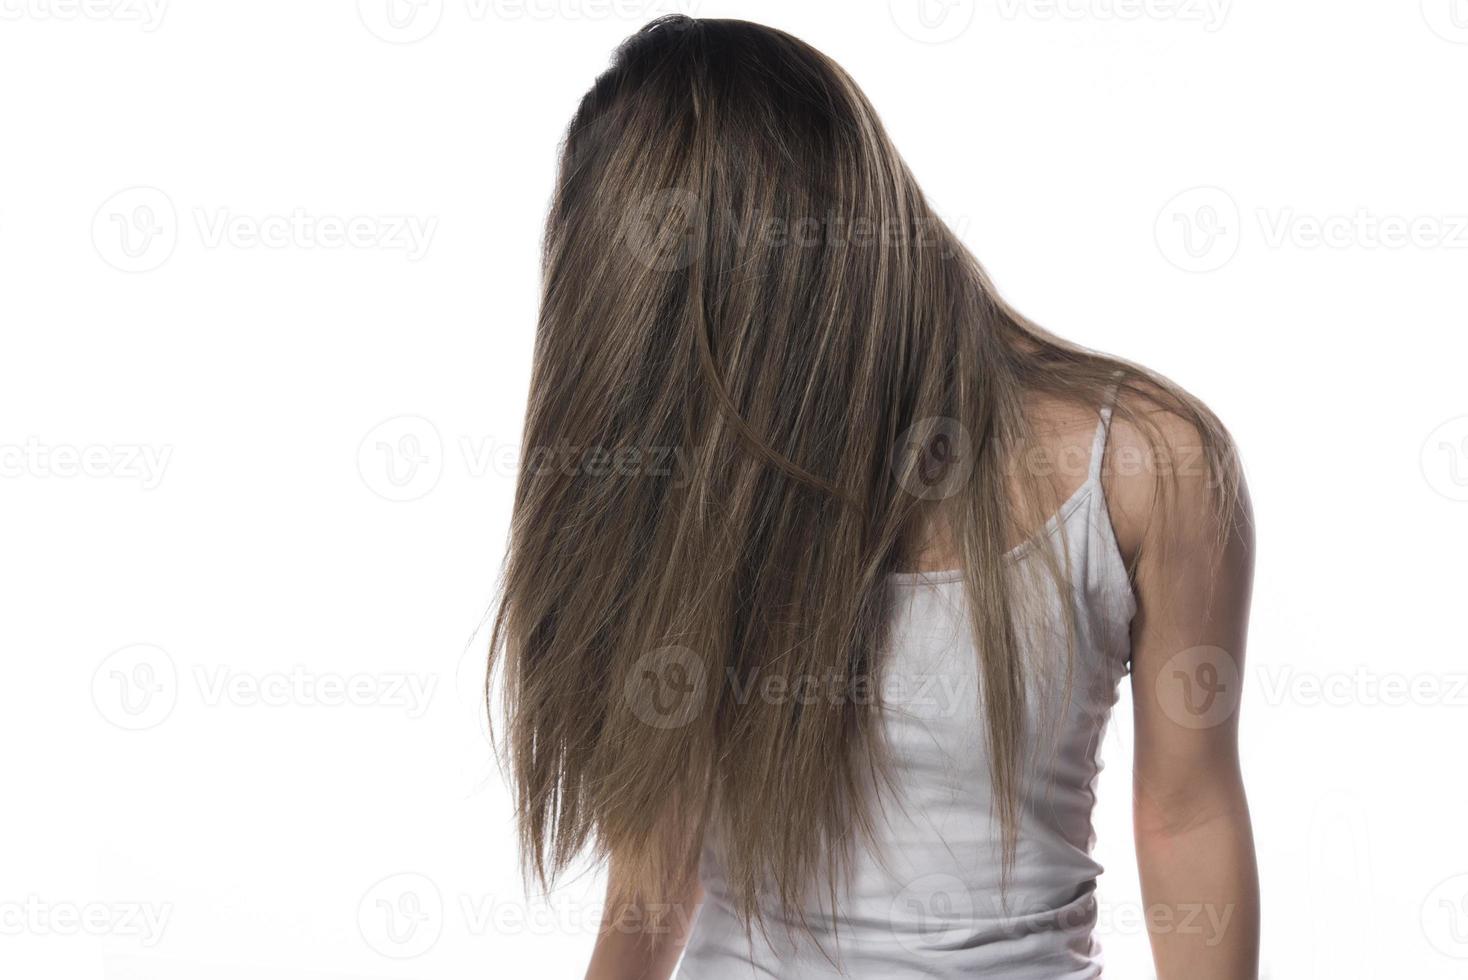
826,564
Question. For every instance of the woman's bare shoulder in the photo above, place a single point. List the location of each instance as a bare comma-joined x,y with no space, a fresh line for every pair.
1062,434
1167,457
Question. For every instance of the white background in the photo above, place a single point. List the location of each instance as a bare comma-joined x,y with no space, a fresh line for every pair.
269,286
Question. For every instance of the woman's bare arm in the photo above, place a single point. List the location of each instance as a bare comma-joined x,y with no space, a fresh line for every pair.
642,940
1195,846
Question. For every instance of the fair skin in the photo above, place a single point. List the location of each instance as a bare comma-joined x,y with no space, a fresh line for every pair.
642,941
1195,844
1194,841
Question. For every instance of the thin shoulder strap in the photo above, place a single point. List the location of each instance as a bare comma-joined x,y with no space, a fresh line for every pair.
1103,429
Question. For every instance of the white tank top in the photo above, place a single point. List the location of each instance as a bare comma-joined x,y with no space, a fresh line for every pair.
924,899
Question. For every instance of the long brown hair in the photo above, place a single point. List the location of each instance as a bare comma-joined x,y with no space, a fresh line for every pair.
762,366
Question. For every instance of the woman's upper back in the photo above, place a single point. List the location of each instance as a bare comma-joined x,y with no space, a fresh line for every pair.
923,896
